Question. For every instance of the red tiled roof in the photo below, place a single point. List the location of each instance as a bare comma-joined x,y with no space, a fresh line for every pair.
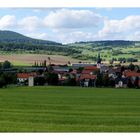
131,73
86,71
25,75
87,76
90,67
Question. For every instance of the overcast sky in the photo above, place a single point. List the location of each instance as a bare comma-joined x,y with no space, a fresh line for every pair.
68,25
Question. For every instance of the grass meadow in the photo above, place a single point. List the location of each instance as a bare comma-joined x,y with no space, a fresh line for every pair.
69,109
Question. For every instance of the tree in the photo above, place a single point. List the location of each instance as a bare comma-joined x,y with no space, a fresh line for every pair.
111,82
49,59
136,82
122,68
80,69
35,64
2,82
70,70
7,78
39,81
71,82
50,68
105,80
99,80
45,63
6,65
69,63
137,68
131,67
0,65
52,78
10,78
130,84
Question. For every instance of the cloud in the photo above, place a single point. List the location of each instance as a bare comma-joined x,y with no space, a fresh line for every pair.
124,29
38,35
120,29
74,36
70,25
64,37
7,21
66,18
43,36
134,36
30,23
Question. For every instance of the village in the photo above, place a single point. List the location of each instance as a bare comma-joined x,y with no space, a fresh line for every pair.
78,74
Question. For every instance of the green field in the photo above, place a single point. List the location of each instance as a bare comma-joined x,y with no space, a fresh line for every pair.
69,109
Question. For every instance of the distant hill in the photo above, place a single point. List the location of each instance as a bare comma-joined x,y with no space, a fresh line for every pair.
12,42
118,49
13,37
107,43
108,49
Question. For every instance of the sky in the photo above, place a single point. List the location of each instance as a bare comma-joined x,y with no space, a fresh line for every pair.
68,25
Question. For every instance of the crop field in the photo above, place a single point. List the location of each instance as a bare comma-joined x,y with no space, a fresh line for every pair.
69,109
29,59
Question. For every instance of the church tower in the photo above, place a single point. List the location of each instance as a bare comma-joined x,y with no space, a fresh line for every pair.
99,61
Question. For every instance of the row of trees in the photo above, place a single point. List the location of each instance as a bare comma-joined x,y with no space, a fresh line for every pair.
104,81
126,59
7,77
34,47
42,63
52,79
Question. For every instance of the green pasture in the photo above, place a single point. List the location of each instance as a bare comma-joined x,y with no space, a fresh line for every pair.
69,109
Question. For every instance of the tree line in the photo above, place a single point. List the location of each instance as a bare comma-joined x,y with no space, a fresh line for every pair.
36,47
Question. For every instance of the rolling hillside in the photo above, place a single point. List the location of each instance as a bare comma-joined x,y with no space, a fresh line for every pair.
116,49
13,42
13,37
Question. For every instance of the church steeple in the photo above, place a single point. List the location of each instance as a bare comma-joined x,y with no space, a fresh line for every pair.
99,59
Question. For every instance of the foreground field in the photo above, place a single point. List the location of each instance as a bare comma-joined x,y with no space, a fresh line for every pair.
69,109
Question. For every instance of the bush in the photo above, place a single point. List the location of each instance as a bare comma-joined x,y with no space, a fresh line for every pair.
132,60
39,81
130,84
52,78
7,78
2,82
71,82
6,65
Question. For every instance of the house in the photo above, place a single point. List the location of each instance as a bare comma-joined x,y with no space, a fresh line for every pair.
22,77
121,82
129,73
104,69
87,80
88,77
132,75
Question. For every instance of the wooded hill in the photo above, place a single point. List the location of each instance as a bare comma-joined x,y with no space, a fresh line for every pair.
12,42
